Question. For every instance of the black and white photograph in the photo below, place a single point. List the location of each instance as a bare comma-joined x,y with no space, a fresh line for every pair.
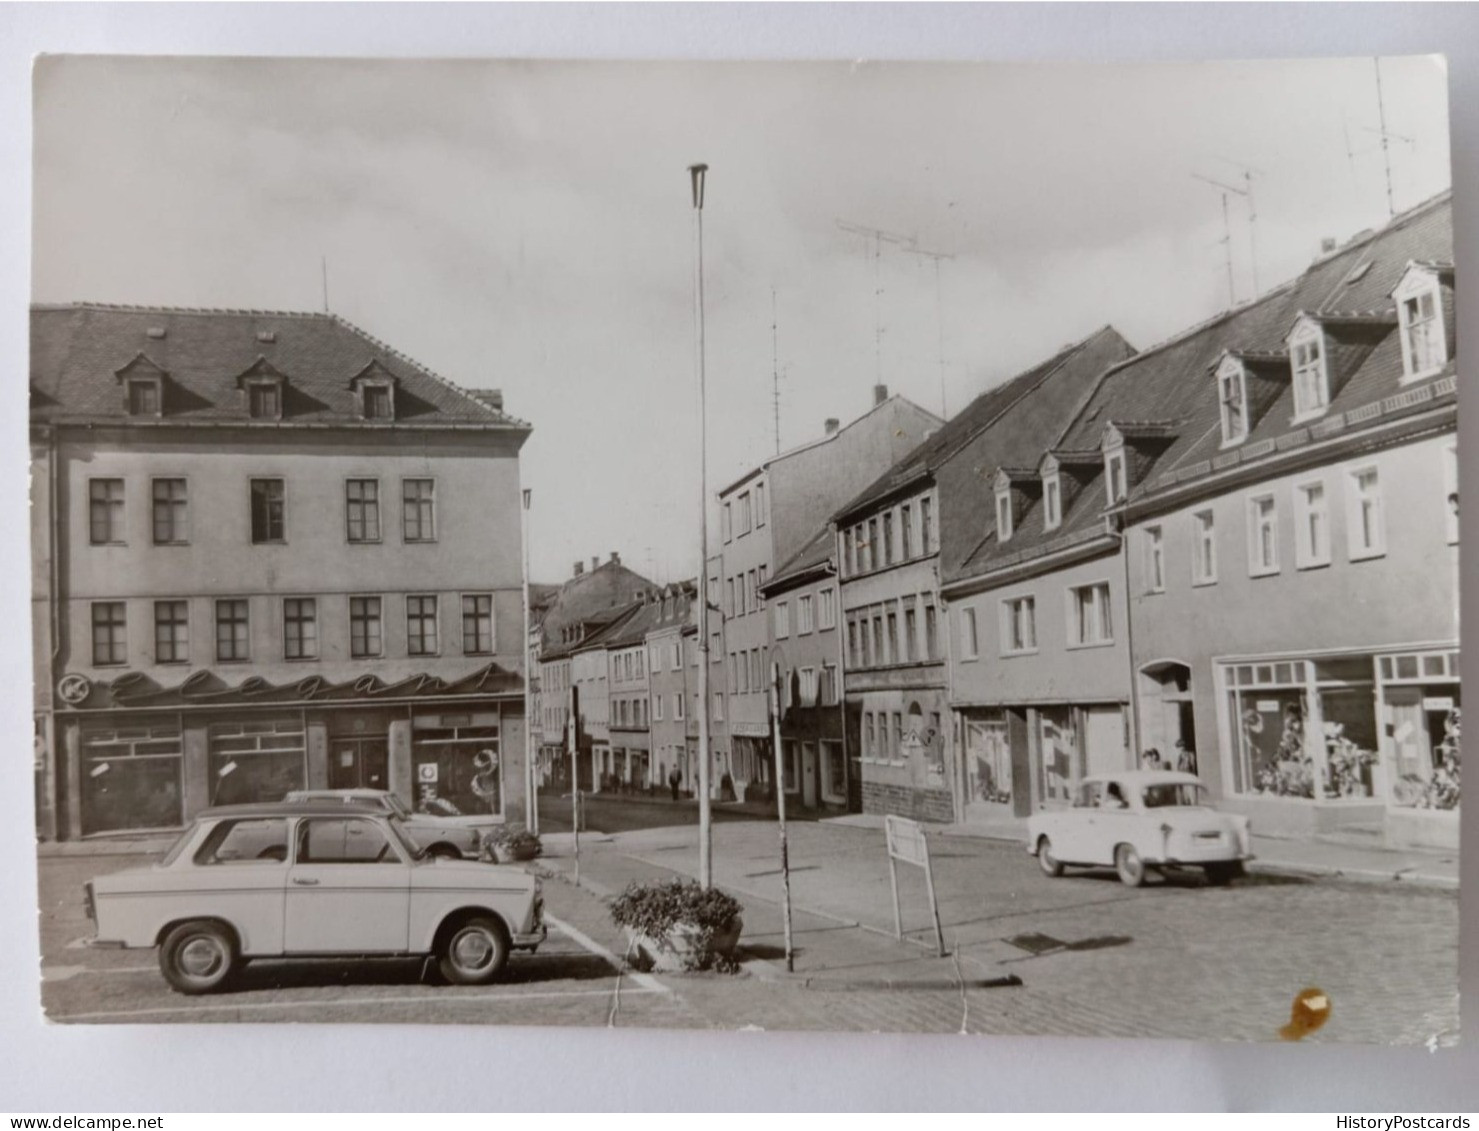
859,546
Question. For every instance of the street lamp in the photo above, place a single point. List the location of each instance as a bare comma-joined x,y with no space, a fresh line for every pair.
696,174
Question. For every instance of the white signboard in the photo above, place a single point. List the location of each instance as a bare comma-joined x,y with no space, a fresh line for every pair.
1437,703
426,773
906,843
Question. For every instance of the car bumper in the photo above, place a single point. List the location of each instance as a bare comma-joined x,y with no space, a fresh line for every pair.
1196,859
532,939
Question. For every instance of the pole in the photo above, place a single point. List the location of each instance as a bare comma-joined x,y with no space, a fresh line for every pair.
531,777
574,727
929,882
780,806
1386,155
696,175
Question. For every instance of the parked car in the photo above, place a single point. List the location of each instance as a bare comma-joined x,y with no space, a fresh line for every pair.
1139,821
313,878
464,836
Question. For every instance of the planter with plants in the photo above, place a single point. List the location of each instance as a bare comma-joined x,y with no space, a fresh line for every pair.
679,925
511,846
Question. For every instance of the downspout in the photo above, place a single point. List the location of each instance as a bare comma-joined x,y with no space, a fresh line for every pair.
54,587
1130,646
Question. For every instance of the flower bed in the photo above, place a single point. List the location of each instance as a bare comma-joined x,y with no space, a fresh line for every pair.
679,925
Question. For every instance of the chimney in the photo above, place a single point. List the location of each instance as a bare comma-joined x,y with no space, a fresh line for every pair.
1327,245
579,568
615,558
595,562
831,425
880,394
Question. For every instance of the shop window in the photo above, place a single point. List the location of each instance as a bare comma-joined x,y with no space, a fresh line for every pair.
458,769
131,777
988,761
261,759
1423,718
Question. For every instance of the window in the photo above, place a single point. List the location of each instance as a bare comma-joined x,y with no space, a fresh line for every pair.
760,579
906,532
744,515
657,708
759,504
339,840
859,549
105,511
1263,536
477,624
1450,492
926,535
171,632
726,523
888,537
675,661
1365,525
267,510
362,509
678,706
1089,615
911,631
1204,568
752,591
1019,625
718,706
418,500
143,398
1155,560
1003,516
827,608
896,735
654,658
1232,395
782,620
757,675
1114,476
969,640
300,628
893,637
804,623
109,634
264,401
1310,389
232,634
365,635
808,680
378,402
733,674
873,556
853,659
1312,526
261,842
827,691
171,526
1052,503
931,631
729,597
879,656
1423,347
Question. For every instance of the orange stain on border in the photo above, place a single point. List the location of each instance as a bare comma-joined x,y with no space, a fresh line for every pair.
1311,1009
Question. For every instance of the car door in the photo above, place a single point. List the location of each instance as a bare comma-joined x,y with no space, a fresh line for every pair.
1114,823
1077,825
241,867
348,891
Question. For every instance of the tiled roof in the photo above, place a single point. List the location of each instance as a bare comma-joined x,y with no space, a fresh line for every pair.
77,351
1347,291
1104,344
817,552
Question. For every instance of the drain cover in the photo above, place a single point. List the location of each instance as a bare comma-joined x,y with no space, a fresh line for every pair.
1036,942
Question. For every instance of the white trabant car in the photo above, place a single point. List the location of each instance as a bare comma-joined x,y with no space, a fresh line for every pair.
435,834
1139,821
313,879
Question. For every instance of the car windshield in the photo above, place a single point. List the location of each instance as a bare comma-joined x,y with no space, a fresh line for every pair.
398,830
397,806
1165,794
179,846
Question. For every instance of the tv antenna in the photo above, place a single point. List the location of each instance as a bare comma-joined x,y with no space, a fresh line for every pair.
775,374
936,256
879,238
1387,137
1246,192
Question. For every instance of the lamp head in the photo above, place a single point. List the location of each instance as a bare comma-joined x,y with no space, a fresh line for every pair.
696,175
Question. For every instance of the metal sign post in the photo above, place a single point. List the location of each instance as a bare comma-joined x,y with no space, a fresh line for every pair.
906,844
780,805
575,779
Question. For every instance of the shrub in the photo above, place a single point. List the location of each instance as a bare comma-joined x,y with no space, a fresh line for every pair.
655,909
510,841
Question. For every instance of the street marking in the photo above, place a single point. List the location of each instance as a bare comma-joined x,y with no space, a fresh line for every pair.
419,999
646,981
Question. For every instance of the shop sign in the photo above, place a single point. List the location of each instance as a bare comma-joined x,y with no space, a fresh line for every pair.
1437,702
426,773
1268,706
456,720
750,730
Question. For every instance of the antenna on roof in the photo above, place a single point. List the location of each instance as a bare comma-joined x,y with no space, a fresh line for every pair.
775,374
1226,241
1386,153
879,238
1246,192
936,256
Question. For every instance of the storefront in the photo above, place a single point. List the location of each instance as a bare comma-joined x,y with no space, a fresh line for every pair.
1368,738
258,758
131,775
457,763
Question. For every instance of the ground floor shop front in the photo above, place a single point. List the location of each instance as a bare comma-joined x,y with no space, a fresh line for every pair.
131,770
1018,758
904,751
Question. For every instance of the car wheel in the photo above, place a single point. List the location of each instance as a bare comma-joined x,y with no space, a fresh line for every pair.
1130,867
1050,864
473,952
443,852
198,957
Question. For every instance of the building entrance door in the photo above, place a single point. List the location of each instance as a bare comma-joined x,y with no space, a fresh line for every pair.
356,762
809,774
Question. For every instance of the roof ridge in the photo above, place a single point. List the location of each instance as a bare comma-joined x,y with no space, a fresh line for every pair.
134,308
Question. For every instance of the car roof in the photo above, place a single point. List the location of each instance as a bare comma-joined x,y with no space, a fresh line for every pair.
1147,777
347,794
334,808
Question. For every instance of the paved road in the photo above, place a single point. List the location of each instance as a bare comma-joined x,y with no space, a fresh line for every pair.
617,814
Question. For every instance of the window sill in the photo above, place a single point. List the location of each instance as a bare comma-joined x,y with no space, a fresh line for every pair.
1368,555
418,541
1203,583
1273,572
90,543
364,541
1414,378
1014,653
1079,647
269,542
300,659
1154,592
1323,563
1301,418
170,543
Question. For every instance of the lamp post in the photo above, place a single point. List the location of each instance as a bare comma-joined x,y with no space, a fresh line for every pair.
696,175
531,775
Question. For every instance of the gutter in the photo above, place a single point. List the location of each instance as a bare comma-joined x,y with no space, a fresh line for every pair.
980,583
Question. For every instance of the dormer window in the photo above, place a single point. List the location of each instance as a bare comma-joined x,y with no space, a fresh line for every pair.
377,403
1114,476
1052,502
374,385
1003,516
264,400
143,396
1420,319
1307,363
1232,396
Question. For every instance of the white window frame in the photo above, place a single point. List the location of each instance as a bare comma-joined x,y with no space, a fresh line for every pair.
1307,556
726,522
1204,534
970,637
807,689
1114,461
1155,559
759,504
1416,284
1259,525
826,609
1306,334
1052,501
1102,614
1010,619
657,709
1003,515
1358,548
1230,371
782,619
805,620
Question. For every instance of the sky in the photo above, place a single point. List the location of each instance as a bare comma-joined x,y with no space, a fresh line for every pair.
527,226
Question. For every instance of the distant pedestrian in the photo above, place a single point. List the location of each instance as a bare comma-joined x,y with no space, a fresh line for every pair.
1186,757
1151,759
675,779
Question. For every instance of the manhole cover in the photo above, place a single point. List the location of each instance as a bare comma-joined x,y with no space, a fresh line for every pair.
1036,942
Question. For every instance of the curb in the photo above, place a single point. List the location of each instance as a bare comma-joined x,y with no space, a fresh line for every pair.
1407,876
